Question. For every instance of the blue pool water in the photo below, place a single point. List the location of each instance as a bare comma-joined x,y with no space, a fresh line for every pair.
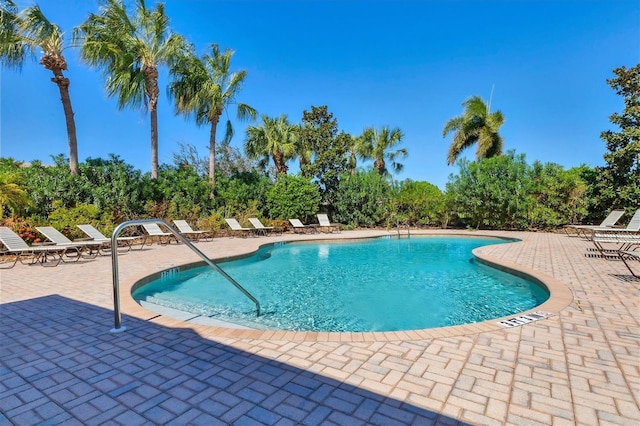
368,285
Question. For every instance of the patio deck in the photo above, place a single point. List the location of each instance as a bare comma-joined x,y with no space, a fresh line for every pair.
60,365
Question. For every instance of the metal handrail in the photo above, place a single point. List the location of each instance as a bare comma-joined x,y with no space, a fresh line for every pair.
408,229
114,262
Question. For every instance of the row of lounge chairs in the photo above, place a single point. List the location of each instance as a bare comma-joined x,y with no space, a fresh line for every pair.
59,248
323,225
611,240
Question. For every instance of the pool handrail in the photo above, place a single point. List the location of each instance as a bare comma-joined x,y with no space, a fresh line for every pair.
114,263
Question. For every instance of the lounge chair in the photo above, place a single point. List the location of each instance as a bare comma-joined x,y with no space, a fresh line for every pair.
609,222
627,255
260,228
96,235
45,255
300,228
325,224
625,238
237,228
186,230
88,248
155,232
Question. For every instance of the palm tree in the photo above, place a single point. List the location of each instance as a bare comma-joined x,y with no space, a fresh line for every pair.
475,125
20,35
276,138
130,49
12,195
376,145
205,88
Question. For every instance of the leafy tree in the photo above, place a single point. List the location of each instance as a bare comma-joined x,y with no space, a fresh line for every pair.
293,197
242,191
12,194
559,195
417,203
377,145
493,192
475,125
275,139
205,88
115,187
129,49
329,149
183,191
21,34
53,183
618,183
361,199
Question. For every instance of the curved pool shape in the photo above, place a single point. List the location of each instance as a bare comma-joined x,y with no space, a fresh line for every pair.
383,284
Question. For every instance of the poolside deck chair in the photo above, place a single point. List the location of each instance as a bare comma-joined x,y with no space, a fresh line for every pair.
627,255
300,228
623,237
155,232
45,255
239,229
186,230
96,235
325,225
260,228
609,222
88,248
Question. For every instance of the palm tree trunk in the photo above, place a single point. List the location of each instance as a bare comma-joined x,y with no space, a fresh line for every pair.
212,153
151,75
63,86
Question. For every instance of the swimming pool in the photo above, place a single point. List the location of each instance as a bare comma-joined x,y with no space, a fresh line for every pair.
382,284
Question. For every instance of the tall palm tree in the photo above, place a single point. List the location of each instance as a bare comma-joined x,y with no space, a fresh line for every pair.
205,88
377,146
20,35
275,138
130,50
475,125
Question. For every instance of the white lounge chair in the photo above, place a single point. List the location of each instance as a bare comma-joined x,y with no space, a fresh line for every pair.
155,232
237,228
45,255
96,235
299,227
260,228
609,222
88,248
186,230
625,238
326,225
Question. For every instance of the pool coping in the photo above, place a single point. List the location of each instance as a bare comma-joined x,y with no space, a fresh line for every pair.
560,297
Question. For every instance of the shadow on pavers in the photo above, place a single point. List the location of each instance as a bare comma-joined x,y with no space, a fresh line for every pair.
59,364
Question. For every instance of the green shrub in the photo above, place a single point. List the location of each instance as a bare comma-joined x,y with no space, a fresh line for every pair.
362,199
293,197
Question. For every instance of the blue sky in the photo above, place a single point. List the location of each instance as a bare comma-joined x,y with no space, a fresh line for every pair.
406,64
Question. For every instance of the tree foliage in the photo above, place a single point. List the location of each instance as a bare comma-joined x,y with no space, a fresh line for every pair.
130,48
328,160
617,185
475,125
206,87
293,197
24,33
416,203
362,199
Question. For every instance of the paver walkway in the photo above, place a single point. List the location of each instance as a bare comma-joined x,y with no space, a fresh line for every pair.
60,365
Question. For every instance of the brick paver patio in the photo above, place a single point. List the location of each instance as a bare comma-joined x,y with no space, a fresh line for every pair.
59,364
